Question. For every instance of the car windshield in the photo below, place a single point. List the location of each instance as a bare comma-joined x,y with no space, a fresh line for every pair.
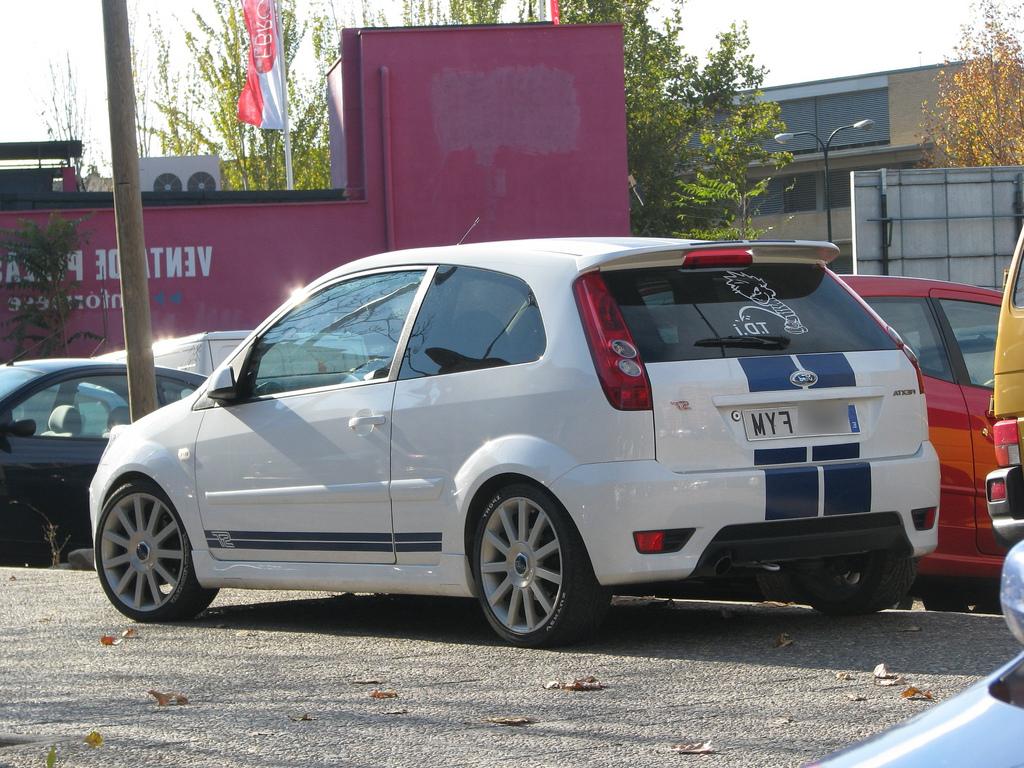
12,378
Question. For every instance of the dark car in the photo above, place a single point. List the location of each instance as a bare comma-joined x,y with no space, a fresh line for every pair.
55,417
952,329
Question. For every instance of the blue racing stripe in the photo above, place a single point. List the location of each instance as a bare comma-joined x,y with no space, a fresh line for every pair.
420,546
765,374
847,489
324,542
765,456
790,492
833,369
835,452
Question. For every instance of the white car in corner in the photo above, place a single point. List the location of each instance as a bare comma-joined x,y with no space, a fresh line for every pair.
537,423
199,353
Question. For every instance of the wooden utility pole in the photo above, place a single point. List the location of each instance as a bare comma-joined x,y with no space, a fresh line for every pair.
131,244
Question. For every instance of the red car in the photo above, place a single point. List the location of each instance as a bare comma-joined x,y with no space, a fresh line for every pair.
952,328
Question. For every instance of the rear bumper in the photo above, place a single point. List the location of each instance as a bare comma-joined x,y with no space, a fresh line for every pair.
1007,514
742,514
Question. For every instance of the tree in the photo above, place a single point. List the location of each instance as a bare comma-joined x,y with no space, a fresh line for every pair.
64,112
717,201
40,285
199,105
978,116
688,123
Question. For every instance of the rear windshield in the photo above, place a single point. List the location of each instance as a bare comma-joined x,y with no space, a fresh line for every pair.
765,309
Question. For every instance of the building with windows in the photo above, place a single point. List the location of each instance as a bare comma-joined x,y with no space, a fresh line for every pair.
794,206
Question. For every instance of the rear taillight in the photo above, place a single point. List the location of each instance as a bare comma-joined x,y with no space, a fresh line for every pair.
997,490
718,257
616,358
1006,437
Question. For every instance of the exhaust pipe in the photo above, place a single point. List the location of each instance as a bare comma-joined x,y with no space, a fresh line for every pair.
723,566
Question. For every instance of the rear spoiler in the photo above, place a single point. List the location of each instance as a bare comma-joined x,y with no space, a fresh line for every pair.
726,254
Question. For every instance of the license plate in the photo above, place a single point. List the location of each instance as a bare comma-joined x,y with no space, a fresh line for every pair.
768,423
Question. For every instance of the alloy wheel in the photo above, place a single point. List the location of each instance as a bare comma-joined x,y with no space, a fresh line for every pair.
520,565
142,552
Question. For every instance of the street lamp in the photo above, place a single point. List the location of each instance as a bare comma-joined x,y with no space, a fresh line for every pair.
782,138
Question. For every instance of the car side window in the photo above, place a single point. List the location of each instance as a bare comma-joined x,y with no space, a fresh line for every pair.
471,319
85,407
346,332
974,326
172,390
914,322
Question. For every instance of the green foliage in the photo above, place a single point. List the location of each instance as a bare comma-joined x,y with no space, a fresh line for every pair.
475,11
43,293
693,128
200,104
716,199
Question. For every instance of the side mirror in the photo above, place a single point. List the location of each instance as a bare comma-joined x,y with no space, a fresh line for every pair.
22,428
222,385
1012,593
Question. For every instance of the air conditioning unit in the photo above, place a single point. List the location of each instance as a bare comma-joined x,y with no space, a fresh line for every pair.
194,173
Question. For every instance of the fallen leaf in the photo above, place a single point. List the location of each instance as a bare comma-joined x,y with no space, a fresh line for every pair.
844,676
163,699
15,578
911,628
365,682
588,683
784,720
51,756
783,640
917,693
509,720
305,717
387,693
856,697
94,739
110,640
397,712
884,677
131,632
694,748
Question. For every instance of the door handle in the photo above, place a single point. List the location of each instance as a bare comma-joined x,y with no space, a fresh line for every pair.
366,421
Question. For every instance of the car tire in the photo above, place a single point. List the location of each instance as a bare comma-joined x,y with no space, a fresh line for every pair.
776,586
534,579
850,586
144,558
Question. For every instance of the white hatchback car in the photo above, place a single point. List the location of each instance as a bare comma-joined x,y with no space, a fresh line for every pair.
537,423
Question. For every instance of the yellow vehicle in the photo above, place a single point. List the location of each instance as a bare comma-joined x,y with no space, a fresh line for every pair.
1004,487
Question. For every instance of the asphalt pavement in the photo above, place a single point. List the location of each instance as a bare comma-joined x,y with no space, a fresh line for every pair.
285,679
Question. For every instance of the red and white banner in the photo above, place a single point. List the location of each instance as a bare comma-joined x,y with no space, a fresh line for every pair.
262,102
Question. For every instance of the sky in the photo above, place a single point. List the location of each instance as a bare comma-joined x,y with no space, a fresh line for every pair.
797,41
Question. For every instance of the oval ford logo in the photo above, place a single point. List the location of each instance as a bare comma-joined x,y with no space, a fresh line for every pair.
803,379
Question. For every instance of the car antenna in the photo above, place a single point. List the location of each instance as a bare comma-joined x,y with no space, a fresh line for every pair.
471,228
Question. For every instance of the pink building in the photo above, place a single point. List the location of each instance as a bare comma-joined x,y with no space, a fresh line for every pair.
521,127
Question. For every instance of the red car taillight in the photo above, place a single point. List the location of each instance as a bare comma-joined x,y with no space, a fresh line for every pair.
616,359
1006,437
